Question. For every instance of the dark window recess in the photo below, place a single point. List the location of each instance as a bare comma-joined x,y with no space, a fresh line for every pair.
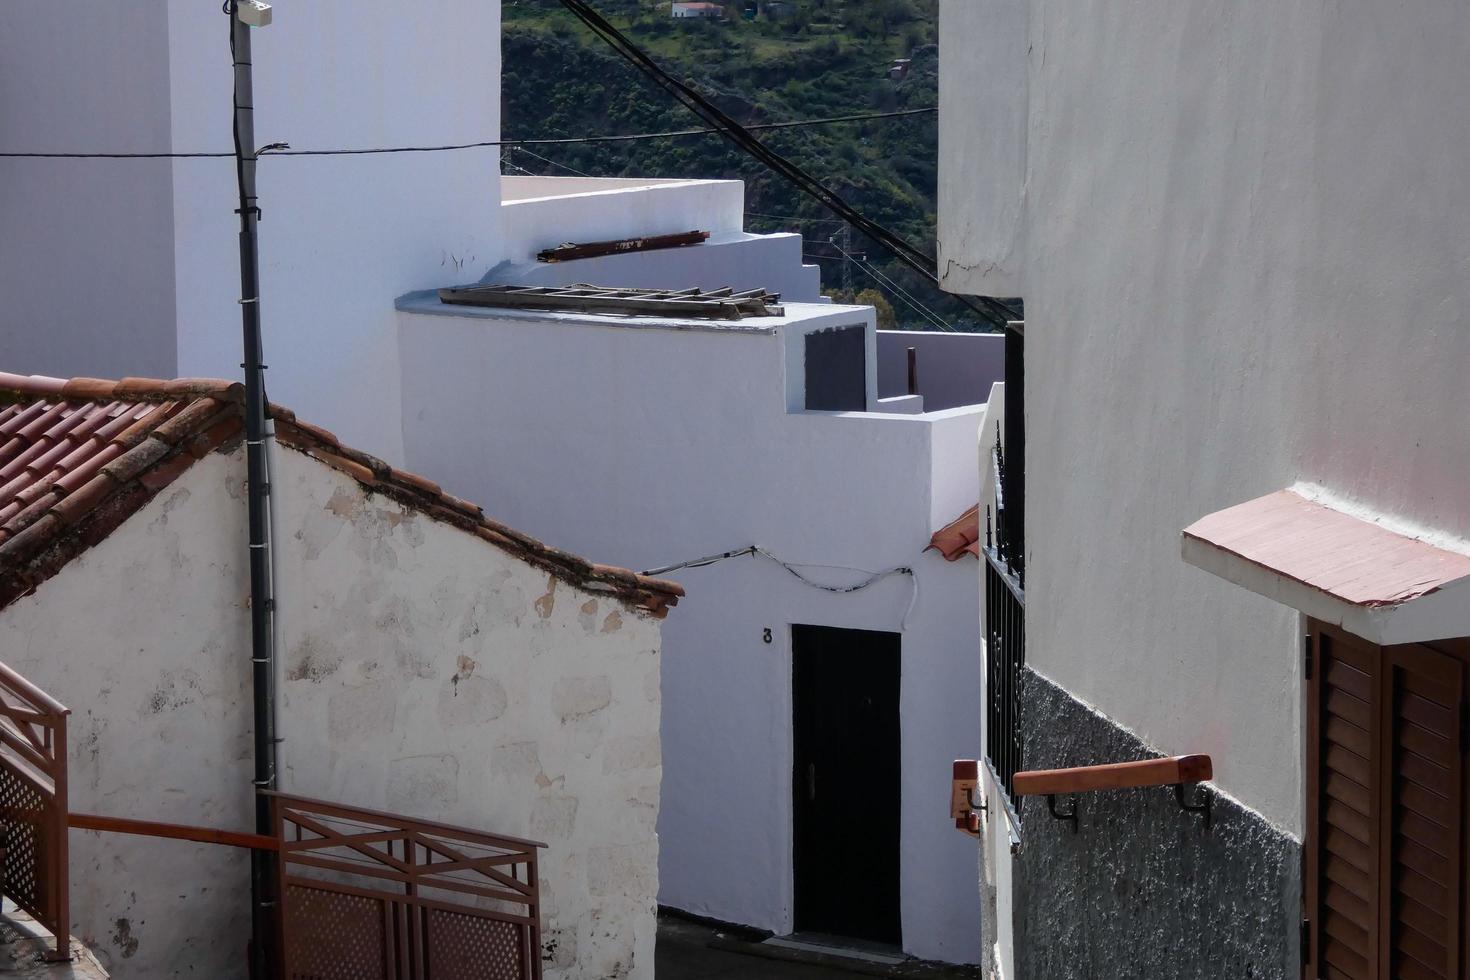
1386,767
846,782
837,370
1010,462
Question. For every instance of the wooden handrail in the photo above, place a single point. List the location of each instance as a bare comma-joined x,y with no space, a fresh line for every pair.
173,831
1178,769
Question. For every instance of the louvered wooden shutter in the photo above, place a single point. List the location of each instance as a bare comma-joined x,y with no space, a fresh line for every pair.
1385,817
1420,864
1342,808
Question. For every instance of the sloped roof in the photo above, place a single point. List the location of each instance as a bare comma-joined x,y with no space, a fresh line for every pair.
959,537
1344,568
1350,559
79,456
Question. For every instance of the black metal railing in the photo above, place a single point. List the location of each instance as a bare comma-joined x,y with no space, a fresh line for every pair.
1005,655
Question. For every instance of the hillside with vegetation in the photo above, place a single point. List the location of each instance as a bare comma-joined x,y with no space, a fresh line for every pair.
816,58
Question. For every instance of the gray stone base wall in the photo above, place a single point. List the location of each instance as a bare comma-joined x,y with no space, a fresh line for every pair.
1141,890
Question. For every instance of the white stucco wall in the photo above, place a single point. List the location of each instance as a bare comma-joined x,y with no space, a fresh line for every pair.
86,246
424,671
339,236
1244,267
116,268
982,145
547,211
651,444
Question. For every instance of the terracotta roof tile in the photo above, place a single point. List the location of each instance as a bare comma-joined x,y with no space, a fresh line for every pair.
79,456
959,537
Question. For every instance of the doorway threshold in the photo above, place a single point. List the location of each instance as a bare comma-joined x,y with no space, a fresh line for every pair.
840,946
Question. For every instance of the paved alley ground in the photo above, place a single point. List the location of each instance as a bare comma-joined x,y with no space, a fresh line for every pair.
694,951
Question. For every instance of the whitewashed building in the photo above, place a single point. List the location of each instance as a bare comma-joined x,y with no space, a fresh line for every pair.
657,440
132,265
431,661
1240,234
647,440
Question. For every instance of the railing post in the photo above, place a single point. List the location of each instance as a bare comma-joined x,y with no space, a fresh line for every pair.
60,849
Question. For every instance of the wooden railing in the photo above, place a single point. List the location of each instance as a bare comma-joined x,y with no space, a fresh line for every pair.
383,897
1177,771
172,831
1117,775
33,805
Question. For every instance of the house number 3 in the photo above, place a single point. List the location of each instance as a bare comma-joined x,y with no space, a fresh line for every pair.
766,634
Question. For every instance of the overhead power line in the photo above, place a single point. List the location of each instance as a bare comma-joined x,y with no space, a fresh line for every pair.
992,309
282,150
902,295
571,170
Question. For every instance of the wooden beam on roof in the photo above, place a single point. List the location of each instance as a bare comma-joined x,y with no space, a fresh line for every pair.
589,250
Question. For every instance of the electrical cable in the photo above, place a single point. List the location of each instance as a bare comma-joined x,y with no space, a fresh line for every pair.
553,163
283,151
991,308
872,578
794,217
902,294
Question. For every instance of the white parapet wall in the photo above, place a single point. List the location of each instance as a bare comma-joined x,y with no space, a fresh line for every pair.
542,212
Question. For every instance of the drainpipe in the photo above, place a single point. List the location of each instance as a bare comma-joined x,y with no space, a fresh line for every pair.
278,620
262,865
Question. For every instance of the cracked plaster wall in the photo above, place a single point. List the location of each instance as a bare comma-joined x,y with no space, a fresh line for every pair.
423,671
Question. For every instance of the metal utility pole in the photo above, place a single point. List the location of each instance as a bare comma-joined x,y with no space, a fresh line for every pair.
262,864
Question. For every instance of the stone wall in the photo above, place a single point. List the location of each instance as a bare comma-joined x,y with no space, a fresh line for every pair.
1140,889
423,671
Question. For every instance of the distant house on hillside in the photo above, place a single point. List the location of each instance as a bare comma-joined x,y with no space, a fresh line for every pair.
699,9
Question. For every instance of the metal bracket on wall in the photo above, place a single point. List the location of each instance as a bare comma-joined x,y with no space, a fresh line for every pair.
1051,804
1202,807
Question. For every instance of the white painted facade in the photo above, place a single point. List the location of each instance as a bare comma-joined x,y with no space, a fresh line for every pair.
1241,242
543,212
423,671
132,265
651,441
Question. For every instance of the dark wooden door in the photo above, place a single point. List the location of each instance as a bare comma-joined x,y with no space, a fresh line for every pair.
845,686
1386,830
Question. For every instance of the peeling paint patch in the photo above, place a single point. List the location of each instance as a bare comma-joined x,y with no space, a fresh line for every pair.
554,817
423,783
613,622
471,701
578,697
547,602
465,667
345,503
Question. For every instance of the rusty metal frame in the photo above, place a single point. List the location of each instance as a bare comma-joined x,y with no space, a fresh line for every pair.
382,895
33,806
620,246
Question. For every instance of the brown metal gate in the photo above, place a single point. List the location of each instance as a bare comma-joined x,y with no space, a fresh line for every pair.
375,896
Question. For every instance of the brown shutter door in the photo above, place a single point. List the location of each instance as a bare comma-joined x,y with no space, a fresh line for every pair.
1343,764
1421,865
